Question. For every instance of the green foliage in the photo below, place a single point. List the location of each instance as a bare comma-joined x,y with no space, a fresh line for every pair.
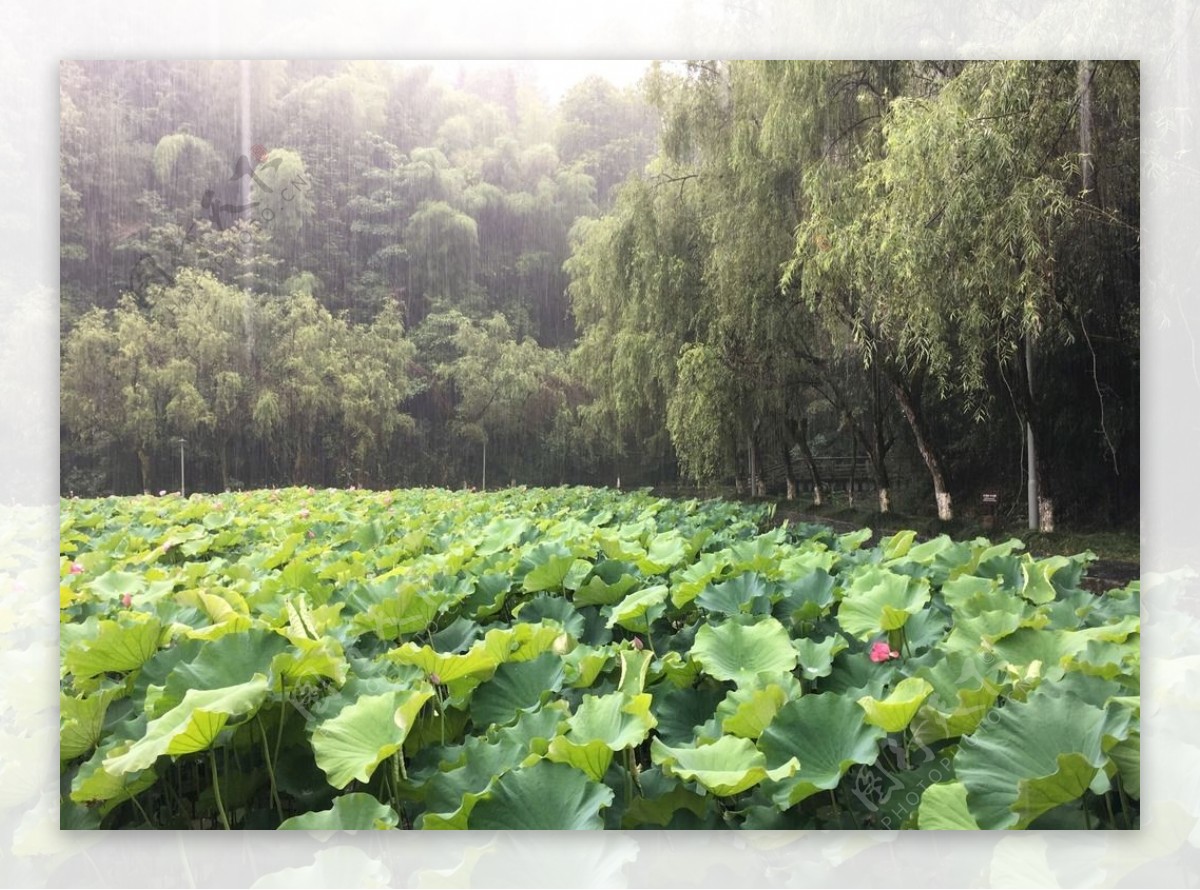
263,687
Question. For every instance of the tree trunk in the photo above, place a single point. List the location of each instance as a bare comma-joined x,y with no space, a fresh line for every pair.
853,466
144,463
1040,505
1087,167
789,472
910,404
750,486
813,472
758,484
224,465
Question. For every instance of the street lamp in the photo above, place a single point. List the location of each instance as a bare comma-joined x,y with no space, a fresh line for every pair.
182,442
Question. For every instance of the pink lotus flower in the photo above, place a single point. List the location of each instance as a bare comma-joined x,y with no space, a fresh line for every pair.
127,600
881,651
311,533
304,513
76,568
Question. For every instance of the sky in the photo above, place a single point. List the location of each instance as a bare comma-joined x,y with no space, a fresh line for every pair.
554,76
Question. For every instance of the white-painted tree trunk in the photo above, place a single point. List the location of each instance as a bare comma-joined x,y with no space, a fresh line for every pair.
945,511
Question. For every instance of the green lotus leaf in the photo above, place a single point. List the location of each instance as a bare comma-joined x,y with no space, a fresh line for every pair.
676,670
521,642
113,584
1127,755
591,757
1036,574
818,558
400,607
580,569
502,534
748,711
807,598
738,652
550,574
93,783
81,720
308,659
726,767
896,546
192,725
233,659
451,795
851,541
542,796
609,583
617,720
351,812
621,544
658,806
688,582
639,609
364,734
475,662
491,590
895,712
516,687
1057,648
928,552
471,768
816,657
120,645
944,808
746,593
879,601
1030,757
827,733
971,595
635,668
759,554
665,551
457,636
553,608
964,691
583,664
299,575
1107,660
680,711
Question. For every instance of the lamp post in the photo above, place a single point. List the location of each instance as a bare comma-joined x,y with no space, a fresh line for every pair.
182,491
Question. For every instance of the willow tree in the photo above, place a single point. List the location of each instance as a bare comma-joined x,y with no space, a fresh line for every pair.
957,230
745,137
636,290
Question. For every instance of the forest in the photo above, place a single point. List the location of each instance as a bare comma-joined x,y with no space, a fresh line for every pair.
735,275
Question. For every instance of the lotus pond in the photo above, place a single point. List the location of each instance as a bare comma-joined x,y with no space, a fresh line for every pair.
577,658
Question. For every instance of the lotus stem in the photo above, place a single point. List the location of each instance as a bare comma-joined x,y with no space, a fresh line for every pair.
145,815
270,766
283,712
1124,803
394,780
212,762
628,776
